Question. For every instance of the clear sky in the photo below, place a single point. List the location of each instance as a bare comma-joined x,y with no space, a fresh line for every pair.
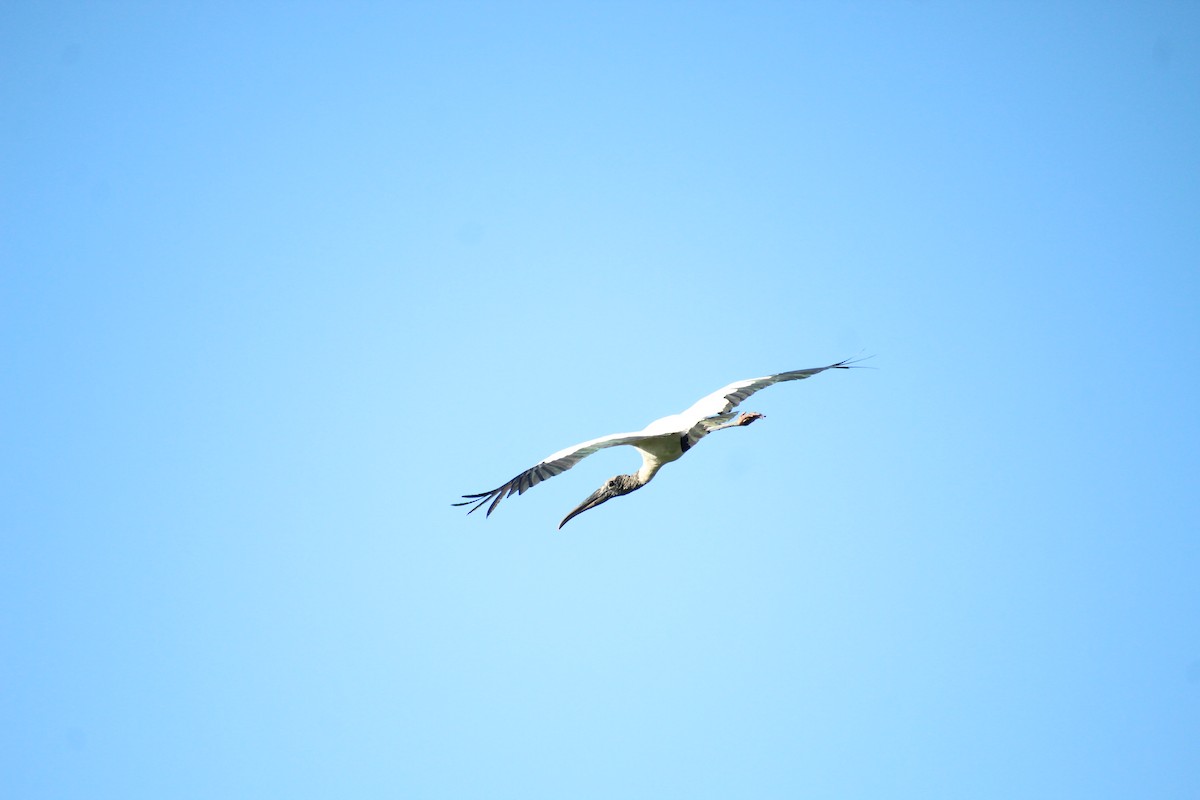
280,281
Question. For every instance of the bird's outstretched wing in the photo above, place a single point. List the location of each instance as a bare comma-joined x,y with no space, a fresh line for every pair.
712,411
548,467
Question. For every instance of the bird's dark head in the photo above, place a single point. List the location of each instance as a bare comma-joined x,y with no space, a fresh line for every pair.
615,486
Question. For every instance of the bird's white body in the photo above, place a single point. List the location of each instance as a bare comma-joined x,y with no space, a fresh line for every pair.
656,451
661,442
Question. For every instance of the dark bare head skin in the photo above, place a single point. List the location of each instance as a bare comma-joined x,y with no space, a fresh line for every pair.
615,486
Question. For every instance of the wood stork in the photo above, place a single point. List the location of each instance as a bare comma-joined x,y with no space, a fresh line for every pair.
661,442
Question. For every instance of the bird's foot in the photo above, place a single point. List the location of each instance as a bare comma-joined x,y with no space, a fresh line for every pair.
750,416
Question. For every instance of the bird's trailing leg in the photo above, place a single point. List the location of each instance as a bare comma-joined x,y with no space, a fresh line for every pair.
748,417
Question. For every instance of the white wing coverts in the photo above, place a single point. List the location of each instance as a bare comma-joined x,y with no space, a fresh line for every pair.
548,467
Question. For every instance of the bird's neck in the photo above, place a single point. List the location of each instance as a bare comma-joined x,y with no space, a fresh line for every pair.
649,469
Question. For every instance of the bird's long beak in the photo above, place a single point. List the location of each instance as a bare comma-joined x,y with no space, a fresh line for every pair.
594,499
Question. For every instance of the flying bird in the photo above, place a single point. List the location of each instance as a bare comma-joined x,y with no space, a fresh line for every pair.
661,442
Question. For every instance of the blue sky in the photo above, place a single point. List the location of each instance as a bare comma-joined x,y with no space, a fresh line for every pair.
281,281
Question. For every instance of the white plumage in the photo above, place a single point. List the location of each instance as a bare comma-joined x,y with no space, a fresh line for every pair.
659,443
